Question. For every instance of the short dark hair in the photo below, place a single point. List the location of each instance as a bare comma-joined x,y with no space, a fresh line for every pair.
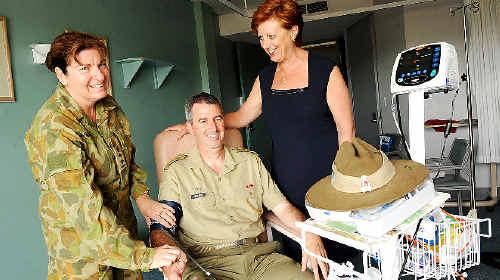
203,98
68,45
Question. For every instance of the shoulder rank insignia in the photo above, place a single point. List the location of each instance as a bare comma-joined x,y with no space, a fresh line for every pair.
176,158
244,150
240,149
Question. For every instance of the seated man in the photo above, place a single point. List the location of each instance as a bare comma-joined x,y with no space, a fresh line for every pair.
221,192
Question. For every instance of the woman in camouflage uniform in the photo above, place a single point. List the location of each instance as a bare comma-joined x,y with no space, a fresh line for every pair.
81,153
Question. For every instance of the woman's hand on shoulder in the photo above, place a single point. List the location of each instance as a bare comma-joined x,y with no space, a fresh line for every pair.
249,110
180,128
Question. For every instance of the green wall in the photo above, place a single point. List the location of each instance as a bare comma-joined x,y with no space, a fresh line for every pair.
163,29
251,60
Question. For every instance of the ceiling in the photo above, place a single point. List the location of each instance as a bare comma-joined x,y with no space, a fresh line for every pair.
221,6
327,29
326,26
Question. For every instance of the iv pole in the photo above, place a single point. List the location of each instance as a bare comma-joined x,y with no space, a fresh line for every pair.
472,156
474,7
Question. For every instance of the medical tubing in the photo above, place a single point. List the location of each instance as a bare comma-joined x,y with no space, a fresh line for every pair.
408,252
446,133
172,232
197,264
395,110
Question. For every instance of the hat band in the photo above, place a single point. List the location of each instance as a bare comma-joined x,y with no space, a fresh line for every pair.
364,183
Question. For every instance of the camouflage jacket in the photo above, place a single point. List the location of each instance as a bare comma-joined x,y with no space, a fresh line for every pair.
86,173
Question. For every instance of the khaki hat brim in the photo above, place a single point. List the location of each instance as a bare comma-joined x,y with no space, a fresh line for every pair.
409,175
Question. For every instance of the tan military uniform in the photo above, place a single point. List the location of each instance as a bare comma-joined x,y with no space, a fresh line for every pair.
86,173
223,215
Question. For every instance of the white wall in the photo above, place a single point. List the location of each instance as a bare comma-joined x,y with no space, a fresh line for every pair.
432,23
401,28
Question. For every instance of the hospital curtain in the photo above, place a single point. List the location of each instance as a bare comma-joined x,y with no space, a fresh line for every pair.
483,43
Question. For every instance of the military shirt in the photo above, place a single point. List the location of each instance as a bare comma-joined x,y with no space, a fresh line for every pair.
86,173
220,208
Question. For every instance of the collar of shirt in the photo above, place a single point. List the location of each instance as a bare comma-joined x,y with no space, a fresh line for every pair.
68,103
195,160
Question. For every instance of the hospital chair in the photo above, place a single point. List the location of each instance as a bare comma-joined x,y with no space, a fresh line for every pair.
167,145
455,170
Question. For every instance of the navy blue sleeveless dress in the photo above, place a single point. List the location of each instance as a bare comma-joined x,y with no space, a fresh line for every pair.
305,142
302,129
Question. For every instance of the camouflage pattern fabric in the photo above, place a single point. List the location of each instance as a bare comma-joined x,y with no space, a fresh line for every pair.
86,173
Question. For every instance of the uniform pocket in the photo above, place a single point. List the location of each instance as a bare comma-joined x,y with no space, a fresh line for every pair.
249,196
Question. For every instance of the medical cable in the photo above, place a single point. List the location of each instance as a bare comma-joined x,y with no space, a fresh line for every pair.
446,133
196,263
407,253
395,113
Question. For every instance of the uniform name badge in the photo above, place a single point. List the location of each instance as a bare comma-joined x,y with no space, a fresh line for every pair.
198,195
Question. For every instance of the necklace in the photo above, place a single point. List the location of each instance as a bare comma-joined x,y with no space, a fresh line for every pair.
283,78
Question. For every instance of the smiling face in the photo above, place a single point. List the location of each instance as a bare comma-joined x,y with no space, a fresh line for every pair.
86,79
277,41
207,125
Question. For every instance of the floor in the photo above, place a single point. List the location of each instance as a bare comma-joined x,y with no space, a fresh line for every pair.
490,249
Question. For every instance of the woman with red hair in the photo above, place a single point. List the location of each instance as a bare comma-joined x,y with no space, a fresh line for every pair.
303,98
304,101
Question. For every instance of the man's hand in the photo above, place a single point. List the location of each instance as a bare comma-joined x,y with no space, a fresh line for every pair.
315,245
167,255
151,209
174,271
290,215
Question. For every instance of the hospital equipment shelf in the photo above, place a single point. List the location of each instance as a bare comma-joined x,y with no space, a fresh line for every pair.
131,66
386,249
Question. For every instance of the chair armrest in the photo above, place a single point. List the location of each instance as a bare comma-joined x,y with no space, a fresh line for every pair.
445,167
272,221
435,164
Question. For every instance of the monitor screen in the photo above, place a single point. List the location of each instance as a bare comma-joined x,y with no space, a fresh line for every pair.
418,65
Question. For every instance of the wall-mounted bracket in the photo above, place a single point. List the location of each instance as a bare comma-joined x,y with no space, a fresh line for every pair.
130,67
39,52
